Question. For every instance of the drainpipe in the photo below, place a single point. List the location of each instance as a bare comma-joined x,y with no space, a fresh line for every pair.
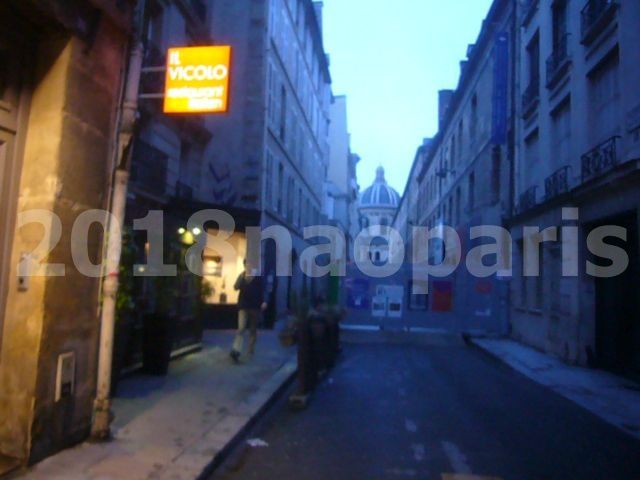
129,109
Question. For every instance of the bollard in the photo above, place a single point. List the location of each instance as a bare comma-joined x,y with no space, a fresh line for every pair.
307,373
319,340
333,326
318,336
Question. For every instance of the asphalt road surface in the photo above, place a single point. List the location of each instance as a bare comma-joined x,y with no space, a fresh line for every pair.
435,412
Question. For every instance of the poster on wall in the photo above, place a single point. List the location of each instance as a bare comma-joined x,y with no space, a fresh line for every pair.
442,296
358,293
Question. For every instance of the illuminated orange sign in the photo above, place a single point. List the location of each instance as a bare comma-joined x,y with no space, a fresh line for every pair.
197,80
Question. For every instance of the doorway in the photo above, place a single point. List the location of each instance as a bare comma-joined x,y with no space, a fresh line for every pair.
617,307
13,105
11,100
6,153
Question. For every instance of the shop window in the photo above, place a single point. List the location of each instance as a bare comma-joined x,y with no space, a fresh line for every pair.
220,272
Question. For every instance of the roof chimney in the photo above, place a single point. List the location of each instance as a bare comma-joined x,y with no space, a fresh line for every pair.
318,6
444,99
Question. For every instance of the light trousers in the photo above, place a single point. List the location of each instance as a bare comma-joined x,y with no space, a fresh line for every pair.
247,320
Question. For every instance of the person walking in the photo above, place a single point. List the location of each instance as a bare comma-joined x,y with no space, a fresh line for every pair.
251,303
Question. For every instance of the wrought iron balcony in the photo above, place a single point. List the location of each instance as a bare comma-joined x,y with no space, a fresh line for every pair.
596,15
559,61
530,98
527,200
600,160
557,183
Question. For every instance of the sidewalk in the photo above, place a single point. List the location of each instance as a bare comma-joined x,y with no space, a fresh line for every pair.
176,427
614,399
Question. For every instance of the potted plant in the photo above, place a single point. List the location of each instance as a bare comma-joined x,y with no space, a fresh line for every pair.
158,326
125,310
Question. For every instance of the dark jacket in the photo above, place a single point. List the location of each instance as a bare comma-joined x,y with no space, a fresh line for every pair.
252,293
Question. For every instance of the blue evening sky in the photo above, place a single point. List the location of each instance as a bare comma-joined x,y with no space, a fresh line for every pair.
390,58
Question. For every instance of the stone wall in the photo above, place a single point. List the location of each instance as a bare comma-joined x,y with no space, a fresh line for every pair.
66,170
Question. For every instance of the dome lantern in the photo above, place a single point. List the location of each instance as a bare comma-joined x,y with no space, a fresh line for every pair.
380,194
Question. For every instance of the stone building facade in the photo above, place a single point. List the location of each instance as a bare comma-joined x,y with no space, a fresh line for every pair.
60,85
270,154
566,159
578,144
463,178
341,188
167,167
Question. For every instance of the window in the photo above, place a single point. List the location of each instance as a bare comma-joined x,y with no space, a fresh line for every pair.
268,189
453,153
290,199
270,97
559,27
531,157
280,205
496,172
561,136
153,25
458,206
299,207
283,113
522,280
604,100
460,138
539,283
474,117
533,63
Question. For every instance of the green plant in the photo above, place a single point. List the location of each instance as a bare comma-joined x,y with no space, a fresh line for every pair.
125,303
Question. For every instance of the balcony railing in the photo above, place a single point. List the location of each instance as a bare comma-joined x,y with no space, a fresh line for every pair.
557,183
527,200
530,98
595,15
559,61
600,160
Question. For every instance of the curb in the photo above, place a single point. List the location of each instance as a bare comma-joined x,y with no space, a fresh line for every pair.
281,380
471,342
568,393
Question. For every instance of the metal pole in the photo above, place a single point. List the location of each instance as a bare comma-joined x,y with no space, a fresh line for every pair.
102,405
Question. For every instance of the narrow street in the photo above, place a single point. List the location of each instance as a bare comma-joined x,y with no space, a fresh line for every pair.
450,412
207,204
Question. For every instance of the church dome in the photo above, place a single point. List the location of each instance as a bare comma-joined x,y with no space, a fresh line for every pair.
380,194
